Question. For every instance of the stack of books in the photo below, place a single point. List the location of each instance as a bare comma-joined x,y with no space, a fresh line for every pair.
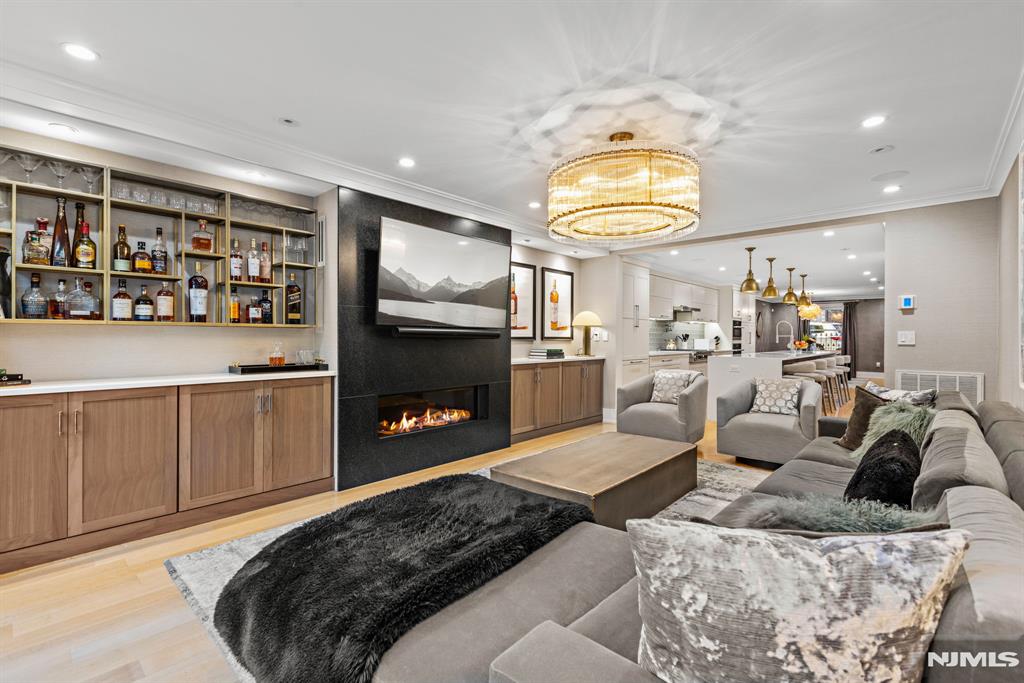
11,379
547,353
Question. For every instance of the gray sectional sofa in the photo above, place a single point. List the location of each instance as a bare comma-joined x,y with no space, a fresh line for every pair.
569,612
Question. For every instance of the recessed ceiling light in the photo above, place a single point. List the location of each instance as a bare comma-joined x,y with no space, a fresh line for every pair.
534,205
256,175
874,279
851,256
285,121
872,121
881,287
866,272
406,162
63,128
721,267
889,189
463,243
80,52
526,241
829,233
882,149
674,252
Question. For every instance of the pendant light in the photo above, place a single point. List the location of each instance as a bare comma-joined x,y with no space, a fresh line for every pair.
770,290
790,297
804,300
750,285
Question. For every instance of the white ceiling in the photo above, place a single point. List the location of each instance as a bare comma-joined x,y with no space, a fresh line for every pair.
825,259
484,95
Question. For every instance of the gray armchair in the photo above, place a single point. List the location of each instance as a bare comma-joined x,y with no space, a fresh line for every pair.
682,421
765,436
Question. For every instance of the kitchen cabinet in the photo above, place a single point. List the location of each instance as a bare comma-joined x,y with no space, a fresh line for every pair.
710,308
661,308
743,306
593,388
682,294
661,287
674,362
636,340
296,431
636,292
582,390
635,369
546,396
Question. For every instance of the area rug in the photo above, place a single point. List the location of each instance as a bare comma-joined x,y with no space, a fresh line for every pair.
201,576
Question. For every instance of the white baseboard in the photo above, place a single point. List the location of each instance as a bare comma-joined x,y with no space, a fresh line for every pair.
863,377
608,415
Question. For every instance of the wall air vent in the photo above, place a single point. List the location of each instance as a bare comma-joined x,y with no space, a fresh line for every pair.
970,384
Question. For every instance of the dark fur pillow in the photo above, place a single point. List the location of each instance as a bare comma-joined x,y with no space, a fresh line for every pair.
887,471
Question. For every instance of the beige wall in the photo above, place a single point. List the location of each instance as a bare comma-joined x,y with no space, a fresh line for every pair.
601,292
1009,292
947,256
534,257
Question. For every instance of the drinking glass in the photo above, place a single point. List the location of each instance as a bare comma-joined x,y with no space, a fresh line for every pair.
28,163
120,189
306,356
194,203
265,213
60,170
4,156
140,193
177,201
3,200
158,197
91,174
210,206
279,213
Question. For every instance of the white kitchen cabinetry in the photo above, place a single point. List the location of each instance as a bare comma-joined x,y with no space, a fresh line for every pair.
661,308
661,287
635,369
682,294
636,339
743,306
674,362
636,292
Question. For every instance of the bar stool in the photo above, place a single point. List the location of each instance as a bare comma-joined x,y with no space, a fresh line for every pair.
832,385
807,370
840,376
843,365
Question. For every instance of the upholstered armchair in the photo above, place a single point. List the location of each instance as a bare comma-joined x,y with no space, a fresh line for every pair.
766,436
679,421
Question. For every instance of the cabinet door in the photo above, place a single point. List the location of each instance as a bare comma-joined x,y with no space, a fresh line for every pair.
220,442
634,369
549,394
296,431
33,470
629,288
122,457
593,388
682,294
643,294
661,287
636,340
524,398
572,391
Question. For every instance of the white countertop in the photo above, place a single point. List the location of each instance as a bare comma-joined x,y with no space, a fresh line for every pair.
531,361
62,387
789,355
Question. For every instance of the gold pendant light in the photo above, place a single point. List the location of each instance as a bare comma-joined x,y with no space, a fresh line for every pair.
804,300
750,285
770,290
790,297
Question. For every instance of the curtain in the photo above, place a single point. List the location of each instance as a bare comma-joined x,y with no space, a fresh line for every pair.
850,334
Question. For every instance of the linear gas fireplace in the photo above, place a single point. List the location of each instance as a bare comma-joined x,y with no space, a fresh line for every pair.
417,411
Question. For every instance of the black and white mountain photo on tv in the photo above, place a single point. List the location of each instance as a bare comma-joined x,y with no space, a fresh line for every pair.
435,278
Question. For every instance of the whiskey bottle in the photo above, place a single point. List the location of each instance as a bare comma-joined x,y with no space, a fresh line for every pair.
293,301
202,239
57,309
85,249
267,308
79,222
165,303
198,293
60,254
254,312
265,275
141,260
252,262
80,303
553,298
34,252
235,305
159,253
143,306
122,251
236,262
92,303
513,305
33,302
121,302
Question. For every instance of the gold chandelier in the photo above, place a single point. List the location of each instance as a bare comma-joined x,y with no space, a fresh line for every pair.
624,190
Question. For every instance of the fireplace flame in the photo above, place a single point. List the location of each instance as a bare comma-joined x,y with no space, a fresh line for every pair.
430,418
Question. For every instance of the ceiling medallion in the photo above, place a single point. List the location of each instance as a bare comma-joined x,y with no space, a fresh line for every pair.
624,190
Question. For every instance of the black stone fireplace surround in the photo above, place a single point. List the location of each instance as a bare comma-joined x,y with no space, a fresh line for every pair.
373,363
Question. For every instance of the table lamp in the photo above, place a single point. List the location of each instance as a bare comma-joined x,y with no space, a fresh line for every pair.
586,320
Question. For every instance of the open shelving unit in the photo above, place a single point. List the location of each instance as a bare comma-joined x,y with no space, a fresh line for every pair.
142,203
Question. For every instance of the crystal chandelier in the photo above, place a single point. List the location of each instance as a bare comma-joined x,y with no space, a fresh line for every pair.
624,190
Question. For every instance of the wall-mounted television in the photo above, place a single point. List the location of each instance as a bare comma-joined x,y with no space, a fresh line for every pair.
432,278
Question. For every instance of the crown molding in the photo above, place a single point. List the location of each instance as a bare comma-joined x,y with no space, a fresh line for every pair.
1011,138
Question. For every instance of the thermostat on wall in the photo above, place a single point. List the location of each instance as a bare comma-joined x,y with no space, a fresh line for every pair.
907,301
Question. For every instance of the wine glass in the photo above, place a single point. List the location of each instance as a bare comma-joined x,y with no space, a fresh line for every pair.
28,163
4,156
60,170
90,174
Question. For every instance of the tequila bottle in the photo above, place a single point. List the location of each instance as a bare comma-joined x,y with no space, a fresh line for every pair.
84,251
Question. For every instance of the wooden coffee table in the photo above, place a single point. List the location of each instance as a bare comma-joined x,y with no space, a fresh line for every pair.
618,476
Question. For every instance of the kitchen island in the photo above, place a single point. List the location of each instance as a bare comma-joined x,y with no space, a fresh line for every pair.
725,372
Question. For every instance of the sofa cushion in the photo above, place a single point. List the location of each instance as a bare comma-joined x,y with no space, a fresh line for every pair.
776,396
735,513
776,438
955,454
1005,438
825,449
660,420
887,471
1013,469
803,477
615,622
864,404
994,412
948,399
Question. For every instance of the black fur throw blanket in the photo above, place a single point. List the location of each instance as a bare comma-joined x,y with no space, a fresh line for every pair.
326,600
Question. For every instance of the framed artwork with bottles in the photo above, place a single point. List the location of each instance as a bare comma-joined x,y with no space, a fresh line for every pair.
522,303
557,302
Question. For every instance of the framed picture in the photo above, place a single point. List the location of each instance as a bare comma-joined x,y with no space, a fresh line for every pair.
522,305
557,304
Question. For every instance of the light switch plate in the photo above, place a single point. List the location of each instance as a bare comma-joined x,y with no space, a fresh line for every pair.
906,338
595,335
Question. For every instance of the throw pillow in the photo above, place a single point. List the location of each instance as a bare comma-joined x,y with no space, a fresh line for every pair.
776,396
722,605
864,404
668,384
828,514
914,420
925,397
887,471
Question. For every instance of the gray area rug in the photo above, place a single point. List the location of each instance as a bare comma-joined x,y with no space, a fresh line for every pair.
202,575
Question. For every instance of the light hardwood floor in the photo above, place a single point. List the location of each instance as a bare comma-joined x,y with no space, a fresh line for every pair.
114,615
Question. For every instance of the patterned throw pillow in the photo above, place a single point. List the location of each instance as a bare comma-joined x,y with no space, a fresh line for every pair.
668,384
843,608
777,396
925,397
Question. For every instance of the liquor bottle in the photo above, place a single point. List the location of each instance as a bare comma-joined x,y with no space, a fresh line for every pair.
92,303
553,298
198,292
252,262
33,302
159,253
60,254
513,305
236,262
122,251
57,309
121,302
265,275
45,238
267,307
77,303
84,250
79,222
202,239
141,261
165,303
293,301
235,306
34,252
143,306
253,312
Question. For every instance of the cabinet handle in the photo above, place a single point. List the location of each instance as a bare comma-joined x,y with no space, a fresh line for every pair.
636,315
77,414
259,404
60,423
268,401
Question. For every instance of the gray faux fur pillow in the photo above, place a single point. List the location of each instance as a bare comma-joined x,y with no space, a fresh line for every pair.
832,515
914,420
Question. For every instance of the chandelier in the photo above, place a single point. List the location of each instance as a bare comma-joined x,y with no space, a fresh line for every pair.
624,190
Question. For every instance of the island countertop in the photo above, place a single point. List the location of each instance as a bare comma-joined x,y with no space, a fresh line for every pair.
790,356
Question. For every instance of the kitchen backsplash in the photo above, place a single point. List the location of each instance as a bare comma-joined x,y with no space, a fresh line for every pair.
664,330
